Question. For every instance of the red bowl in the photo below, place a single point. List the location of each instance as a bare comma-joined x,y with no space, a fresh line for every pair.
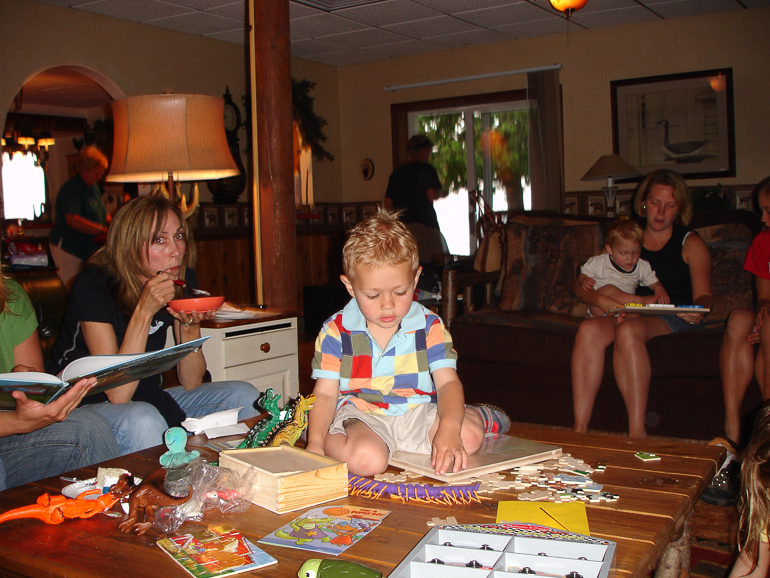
201,304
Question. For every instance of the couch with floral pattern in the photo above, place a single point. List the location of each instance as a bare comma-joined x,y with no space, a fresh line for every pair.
517,353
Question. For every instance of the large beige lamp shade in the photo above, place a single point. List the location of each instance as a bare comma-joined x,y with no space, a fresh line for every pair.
169,136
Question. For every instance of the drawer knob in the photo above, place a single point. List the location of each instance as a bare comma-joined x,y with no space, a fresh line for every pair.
265,347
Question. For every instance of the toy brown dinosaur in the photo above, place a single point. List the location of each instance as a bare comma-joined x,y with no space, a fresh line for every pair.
147,496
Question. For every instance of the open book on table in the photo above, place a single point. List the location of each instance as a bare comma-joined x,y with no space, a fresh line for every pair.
109,370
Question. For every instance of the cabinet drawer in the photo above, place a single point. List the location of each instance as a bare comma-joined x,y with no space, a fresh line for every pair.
250,345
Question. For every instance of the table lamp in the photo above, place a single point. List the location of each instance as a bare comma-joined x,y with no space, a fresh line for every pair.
610,167
161,137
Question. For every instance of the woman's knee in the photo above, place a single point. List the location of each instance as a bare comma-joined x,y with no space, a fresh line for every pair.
740,323
595,334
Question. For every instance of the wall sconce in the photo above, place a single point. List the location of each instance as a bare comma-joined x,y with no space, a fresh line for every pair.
610,167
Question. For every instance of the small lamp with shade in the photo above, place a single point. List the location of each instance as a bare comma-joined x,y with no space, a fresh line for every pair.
610,167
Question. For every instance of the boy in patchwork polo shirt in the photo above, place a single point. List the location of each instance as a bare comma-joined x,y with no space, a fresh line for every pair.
385,368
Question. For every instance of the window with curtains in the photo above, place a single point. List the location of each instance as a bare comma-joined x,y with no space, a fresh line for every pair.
479,142
485,142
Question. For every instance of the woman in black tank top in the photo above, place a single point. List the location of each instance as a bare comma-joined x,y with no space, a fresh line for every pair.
682,262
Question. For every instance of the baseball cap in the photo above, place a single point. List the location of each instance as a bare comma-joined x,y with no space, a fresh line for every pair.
418,142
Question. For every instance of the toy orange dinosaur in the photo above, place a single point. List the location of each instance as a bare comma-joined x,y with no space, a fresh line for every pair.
56,509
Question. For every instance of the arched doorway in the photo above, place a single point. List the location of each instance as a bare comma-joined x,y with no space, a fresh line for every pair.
71,103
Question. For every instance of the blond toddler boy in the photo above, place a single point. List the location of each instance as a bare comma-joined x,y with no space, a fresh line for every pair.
385,368
618,271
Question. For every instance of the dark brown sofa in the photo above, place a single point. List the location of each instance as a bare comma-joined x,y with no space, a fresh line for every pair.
517,354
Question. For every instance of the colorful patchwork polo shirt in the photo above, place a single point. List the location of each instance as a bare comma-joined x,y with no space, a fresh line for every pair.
390,381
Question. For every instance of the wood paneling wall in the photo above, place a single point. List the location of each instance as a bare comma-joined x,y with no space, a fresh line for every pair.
226,267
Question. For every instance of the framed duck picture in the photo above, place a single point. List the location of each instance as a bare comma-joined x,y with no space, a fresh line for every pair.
682,122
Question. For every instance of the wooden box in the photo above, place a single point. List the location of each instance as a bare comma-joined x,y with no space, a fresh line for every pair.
289,478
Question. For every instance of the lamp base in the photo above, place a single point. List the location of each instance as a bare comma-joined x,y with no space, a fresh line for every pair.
609,197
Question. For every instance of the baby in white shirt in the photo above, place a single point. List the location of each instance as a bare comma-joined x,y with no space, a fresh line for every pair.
618,271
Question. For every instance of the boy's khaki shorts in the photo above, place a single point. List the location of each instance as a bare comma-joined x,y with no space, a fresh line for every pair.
407,432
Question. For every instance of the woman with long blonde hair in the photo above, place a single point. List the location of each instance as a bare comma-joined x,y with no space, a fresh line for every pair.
119,304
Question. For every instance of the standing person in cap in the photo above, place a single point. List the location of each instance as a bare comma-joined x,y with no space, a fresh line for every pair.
412,188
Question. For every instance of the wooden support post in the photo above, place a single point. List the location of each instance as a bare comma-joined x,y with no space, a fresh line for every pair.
275,238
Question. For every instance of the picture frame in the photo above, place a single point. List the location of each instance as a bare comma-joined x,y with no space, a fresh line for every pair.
623,203
368,210
349,214
597,206
231,217
743,198
332,213
571,205
210,217
682,122
246,216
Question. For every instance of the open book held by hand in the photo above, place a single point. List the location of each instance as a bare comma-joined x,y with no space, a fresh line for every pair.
109,370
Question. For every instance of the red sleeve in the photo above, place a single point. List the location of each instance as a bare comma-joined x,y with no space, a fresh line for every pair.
758,257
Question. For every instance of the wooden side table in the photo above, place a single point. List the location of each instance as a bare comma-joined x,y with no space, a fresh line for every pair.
261,350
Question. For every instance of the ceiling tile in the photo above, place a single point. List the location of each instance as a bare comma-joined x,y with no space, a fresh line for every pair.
362,38
403,49
136,10
198,23
692,7
756,3
234,36
236,11
432,27
453,6
553,25
614,17
600,5
300,11
324,24
388,12
67,2
205,4
304,48
502,15
480,36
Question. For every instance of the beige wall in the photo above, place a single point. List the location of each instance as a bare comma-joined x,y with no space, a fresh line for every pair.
137,58
590,60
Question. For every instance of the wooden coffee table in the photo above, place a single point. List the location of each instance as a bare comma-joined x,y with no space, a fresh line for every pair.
650,522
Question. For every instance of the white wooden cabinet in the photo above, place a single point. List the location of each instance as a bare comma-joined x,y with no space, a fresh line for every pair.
262,351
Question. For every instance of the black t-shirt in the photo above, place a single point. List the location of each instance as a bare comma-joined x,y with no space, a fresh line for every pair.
670,267
92,298
407,188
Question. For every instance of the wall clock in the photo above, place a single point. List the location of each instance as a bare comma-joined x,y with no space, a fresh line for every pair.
228,190
367,169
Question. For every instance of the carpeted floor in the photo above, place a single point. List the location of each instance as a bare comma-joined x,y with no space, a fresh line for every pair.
714,535
710,559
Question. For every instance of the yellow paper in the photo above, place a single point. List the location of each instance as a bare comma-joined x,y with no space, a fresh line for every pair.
570,516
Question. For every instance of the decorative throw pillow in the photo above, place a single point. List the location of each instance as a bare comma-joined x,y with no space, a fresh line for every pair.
543,259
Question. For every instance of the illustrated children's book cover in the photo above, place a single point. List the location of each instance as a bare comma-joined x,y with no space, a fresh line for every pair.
215,551
328,530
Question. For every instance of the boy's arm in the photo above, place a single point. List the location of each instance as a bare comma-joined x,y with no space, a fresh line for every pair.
322,413
586,282
659,291
448,451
